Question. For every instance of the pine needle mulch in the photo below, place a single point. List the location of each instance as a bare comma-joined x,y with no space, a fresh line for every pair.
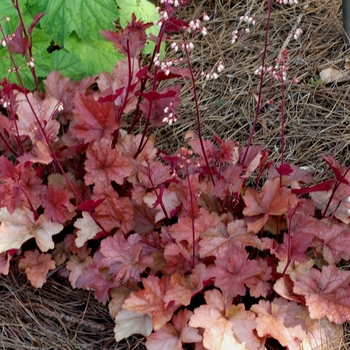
317,116
316,124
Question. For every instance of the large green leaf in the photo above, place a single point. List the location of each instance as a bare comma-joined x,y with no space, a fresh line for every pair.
96,56
67,64
43,60
85,17
8,10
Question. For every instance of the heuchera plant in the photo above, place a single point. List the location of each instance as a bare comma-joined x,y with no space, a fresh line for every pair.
213,245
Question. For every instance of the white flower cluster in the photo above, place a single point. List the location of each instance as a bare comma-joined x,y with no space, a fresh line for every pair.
287,2
248,19
171,117
213,75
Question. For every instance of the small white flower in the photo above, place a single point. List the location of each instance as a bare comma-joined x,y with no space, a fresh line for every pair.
205,17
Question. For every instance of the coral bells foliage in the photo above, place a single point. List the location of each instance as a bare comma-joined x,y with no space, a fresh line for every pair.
212,245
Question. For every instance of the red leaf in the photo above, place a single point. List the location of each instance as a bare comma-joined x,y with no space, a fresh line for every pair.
336,168
90,205
174,72
112,97
93,278
121,85
35,115
35,21
19,44
57,205
94,120
122,257
175,25
284,169
155,95
323,186
131,40
104,165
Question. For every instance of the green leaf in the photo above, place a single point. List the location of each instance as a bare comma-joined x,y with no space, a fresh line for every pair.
8,10
67,64
42,59
96,56
85,17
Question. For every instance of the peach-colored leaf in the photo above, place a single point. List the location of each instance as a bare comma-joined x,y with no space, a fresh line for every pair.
271,200
5,263
131,322
87,229
151,301
20,226
172,336
243,324
327,293
75,266
218,333
184,287
36,266
281,320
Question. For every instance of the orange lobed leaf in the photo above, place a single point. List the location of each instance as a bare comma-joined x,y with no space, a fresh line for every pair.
327,293
151,301
218,333
36,266
281,320
272,200
184,287
172,336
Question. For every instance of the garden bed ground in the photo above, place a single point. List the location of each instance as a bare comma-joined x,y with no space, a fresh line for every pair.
317,123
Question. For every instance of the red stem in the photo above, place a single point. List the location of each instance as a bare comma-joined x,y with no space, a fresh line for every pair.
258,107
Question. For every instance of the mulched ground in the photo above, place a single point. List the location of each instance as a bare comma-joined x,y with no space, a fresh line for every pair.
317,123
